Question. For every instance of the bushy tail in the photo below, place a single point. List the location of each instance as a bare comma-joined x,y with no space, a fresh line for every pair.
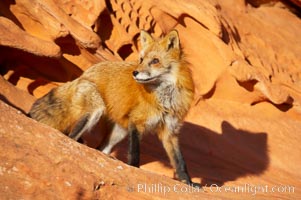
46,108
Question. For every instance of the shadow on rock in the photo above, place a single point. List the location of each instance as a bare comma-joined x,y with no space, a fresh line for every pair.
218,158
213,157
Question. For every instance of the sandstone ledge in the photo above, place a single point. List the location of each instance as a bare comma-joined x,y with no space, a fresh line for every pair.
38,162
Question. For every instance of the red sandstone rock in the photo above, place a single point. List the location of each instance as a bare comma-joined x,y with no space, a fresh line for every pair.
38,162
15,97
13,36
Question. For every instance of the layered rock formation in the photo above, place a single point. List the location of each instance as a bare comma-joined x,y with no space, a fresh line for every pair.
244,125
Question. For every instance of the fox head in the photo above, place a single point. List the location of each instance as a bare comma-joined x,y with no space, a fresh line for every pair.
159,59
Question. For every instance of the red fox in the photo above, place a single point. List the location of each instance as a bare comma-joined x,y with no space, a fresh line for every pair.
151,95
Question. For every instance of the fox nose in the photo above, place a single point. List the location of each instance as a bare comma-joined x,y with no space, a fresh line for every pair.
135,73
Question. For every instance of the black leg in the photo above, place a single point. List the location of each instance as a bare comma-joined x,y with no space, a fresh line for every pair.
181,169
134,147
172,147
79,126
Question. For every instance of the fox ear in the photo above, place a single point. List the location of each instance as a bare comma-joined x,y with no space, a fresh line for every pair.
172,40
145,39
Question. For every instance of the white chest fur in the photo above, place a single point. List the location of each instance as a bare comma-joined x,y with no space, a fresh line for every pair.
171,123
169,97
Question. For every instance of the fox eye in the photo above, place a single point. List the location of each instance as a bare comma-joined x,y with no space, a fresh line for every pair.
154,61
140,60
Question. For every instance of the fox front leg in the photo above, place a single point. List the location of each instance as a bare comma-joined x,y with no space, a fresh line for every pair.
172,148
134,146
